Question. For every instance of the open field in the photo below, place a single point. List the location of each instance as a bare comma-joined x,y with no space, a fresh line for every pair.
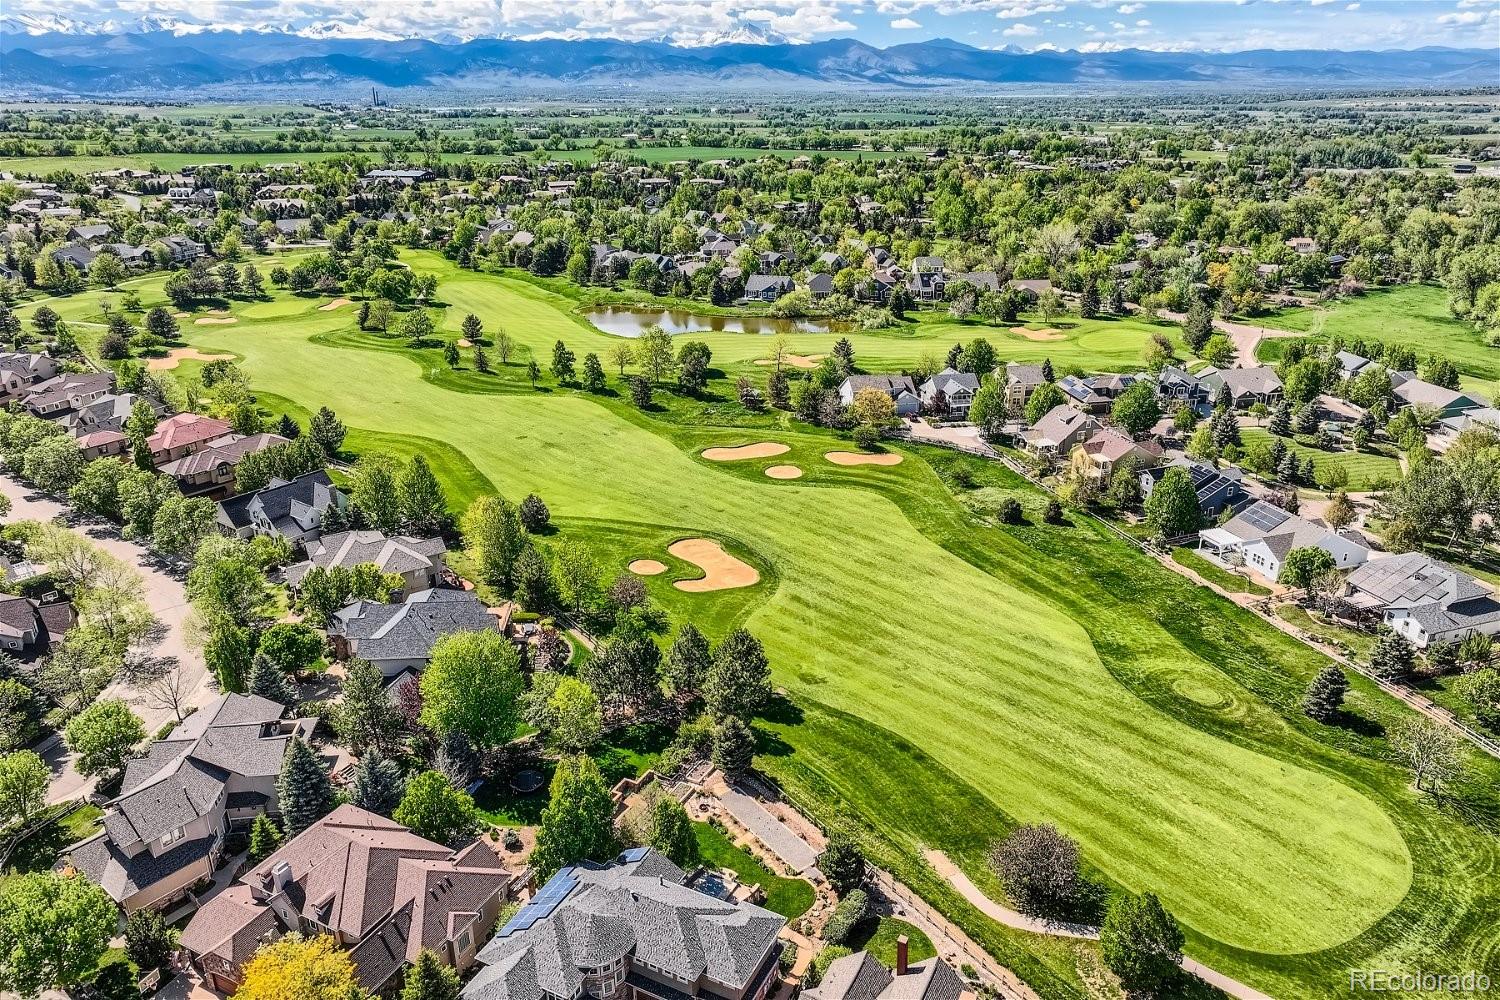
1000,677
1414,316
157,161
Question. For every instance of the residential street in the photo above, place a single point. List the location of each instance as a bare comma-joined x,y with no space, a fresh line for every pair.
167,599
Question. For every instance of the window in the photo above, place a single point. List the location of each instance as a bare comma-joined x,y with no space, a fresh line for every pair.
172,836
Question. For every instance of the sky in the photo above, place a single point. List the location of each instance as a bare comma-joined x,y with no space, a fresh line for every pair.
1087,25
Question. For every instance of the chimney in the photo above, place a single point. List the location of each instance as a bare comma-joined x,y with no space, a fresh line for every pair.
281,875
901,943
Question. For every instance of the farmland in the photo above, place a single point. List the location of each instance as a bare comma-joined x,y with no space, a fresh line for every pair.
949,677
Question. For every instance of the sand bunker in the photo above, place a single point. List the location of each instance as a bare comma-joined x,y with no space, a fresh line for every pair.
181,315
784,472
178,355
1049,333
721,571
858,458
796,360
764,449
465,342
215,320
647,567
335,304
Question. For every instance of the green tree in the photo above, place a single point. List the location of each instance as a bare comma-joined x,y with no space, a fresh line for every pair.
1046,398
378,783
575,719
429,978
562,362
54,464
1172,508
988,411
1197,325
181,523
733,748
535,588
535,517
472,685
292,646
578,822
1393,656
1136,409
670,831
267,680
327,430
265,837
434,809
654,354
1325,695
149,940
139,427
102,736
23,786
374,493
842,863
1141,942
54,928
494,536
593,374
738,682
303,788
1305,567
366,716
687,664
424,508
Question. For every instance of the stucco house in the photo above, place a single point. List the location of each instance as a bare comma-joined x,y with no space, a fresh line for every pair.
1059,430
949,392
1261,535
899,387
398,637
165,829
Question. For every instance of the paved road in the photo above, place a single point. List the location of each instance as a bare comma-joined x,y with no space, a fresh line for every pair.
1010,918
167,600
1243,336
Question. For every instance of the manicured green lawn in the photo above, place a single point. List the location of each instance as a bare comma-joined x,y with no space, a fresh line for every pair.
878,935
1230,582
1367,470
1359,643
1414,316
38,852
790,897
951,679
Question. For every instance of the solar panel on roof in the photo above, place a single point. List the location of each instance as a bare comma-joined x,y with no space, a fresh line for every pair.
1265,517
541,905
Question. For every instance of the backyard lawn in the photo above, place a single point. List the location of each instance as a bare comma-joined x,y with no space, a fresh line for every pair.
790,897
38,852
948,679
1368,470
1233,583
878,935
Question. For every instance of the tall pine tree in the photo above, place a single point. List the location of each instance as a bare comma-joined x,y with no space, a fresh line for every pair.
1325,694
303,789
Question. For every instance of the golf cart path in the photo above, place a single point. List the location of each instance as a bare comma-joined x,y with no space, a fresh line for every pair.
945,867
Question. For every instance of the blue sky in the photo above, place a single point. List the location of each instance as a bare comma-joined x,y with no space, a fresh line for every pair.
1091,25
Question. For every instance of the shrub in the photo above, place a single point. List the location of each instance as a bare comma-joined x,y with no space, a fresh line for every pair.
1038,865
1010,511
846,916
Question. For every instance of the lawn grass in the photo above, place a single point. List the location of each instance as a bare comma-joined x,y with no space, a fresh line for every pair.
952,678
1414,316
1358,643
1368,470
38,852
1232,583
790,897
878,935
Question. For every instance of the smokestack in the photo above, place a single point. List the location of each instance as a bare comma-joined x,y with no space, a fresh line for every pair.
901,943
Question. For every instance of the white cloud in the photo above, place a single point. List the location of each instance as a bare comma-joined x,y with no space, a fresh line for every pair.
1131,8
905,24
1352,6
1018,9
1021,30
1319,3
1468,17
1143,23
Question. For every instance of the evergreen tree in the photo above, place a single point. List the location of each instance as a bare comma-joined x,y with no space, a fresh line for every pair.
139,427
534,514
472,328
327,431
671,832
1225,429
481,360
268,681
365,717
1393,657
424,508
450,354
1088,302
1048,375
578,822
733,748
288,428
378,784
303,789
842,863
593,374
1141,942
1287,469
562,362
534,587
779,389
1197,325
687,663
955,354
1280,423
1326,694
640,391
738,681
429,978
264,839
843,356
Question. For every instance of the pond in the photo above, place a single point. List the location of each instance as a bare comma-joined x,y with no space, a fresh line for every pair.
625,321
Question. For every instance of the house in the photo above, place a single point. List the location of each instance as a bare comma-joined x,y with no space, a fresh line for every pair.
181,249
1217,490
93,233
767,287
1485,416
165,829
631,929
293,508
65,393
376,887
28,626
949,392
290,227
107,413
77,256
927,286
831,261
1059,430
1350,364
400,177
1261,535
1412,391
878,288
1177,387
770,261
182,434
209,471
1032,288
1303,245
1424,600
1095,393
1247,386
820,285
900,388
397,637
1021,381
1098,455
861,977
20,371
418,561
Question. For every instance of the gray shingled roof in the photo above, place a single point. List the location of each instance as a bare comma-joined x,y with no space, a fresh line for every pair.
122,876
409,630
399,554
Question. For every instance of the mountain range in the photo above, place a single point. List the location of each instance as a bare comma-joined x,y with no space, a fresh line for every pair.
53,57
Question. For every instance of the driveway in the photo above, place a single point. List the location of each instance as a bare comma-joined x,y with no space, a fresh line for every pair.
164,595
1243,336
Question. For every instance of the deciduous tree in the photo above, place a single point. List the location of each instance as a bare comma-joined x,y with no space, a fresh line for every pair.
472,685
433,808
578,822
